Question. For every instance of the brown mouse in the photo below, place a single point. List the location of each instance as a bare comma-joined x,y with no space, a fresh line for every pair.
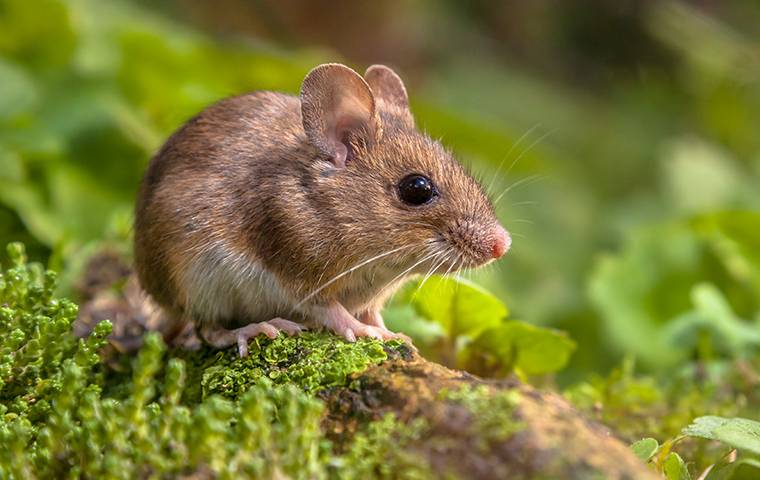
269,212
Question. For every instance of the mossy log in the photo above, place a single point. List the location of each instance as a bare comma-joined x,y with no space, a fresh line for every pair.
464,426
544,438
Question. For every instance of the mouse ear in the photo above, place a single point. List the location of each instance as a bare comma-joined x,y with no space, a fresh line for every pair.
388,87
337,107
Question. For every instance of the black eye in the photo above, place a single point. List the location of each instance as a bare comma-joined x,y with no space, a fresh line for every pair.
416,189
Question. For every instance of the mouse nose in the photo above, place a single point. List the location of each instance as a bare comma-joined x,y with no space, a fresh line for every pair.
501,241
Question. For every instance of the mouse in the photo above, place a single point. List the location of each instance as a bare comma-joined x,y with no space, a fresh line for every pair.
270,213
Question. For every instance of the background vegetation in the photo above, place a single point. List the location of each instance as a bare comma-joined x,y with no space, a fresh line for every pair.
622,138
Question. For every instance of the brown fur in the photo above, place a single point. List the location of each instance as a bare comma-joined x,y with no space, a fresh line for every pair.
247,174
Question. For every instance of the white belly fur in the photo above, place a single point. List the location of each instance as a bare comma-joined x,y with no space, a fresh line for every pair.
226,288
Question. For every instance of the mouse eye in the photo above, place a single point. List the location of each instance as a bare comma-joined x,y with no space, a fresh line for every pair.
416,189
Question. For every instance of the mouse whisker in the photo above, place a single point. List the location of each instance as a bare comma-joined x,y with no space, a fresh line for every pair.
525,203
446,256
427,257
509,152
530,147
526,180
454,262
435,263
350,270
535,142
359,265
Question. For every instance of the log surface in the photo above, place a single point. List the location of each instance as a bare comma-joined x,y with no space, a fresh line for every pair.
554,441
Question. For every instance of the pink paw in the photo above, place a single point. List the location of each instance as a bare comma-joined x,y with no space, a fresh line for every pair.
352,332
337,319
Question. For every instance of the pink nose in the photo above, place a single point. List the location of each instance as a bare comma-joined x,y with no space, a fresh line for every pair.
501,242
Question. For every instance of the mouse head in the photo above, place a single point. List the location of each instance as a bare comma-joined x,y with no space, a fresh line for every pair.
387,186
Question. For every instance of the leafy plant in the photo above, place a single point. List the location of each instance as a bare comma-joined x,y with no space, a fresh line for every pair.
736,433
473,331
670,293
739,433
56,420
669,463
518,346
645,448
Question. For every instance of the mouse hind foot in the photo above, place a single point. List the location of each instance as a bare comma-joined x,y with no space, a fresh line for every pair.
220,337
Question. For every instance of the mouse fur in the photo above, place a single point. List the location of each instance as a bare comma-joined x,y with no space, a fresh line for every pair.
265,212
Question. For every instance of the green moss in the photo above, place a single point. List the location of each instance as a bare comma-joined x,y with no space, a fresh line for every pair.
389,448
312,361
200,413
382,451
492,411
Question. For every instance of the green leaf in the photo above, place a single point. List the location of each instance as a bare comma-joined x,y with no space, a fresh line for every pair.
27,200
712,313
674,468
654,297
518,345
744,468
740,433
19,91
736,239
645,448
458,305
43,41
403,318
638,290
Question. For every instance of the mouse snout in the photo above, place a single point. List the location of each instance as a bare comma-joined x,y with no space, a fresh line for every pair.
500,241
479,243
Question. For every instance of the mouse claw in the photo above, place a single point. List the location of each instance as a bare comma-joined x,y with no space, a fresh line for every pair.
375,333
349,335
242,343
291,328
405,338
337,319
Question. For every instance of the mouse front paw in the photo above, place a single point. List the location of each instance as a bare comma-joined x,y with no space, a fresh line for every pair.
372,318
338,320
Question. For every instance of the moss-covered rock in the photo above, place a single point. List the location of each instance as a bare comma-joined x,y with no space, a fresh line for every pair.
472,428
